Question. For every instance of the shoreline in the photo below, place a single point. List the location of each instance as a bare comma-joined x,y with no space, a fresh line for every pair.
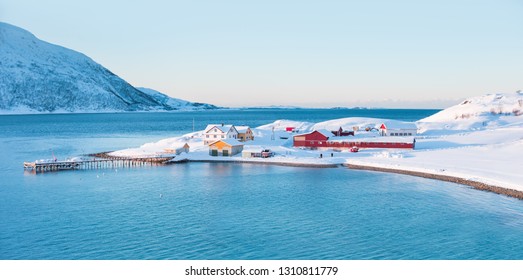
106,155
293,164
446,178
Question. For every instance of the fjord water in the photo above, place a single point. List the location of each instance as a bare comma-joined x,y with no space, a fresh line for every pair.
231,211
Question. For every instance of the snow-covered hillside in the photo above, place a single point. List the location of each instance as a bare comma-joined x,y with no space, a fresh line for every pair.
477,113
479,140
36,76
176,103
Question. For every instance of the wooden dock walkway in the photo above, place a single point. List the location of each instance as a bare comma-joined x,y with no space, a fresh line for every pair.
96,163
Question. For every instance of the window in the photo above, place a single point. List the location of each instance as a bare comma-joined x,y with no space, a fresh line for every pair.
215,136
206,136
410,134
223,136
215,130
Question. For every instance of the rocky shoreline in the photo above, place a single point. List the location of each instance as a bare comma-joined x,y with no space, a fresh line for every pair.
446,178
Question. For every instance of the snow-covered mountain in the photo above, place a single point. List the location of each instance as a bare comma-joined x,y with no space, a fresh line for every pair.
476,113
36,76
175,102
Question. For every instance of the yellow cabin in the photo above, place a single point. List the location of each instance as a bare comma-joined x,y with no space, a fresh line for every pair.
226,148
244,133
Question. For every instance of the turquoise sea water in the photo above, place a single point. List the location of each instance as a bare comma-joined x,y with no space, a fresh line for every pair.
231,211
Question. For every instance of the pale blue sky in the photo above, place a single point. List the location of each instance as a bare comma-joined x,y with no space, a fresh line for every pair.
305,53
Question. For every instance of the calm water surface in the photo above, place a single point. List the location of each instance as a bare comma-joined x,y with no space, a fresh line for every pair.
231,211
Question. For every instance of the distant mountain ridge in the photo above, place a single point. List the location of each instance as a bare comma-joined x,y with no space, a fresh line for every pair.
36,76
179,104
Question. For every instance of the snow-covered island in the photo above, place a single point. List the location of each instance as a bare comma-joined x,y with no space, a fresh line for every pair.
478,142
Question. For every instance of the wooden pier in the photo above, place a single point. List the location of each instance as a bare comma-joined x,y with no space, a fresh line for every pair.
96,163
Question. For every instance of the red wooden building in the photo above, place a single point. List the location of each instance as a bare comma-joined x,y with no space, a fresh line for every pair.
312,139
317,139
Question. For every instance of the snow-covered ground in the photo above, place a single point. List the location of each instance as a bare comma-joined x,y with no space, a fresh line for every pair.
285,153
480,139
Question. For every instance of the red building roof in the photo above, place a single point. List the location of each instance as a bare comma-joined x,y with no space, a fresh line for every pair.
315,135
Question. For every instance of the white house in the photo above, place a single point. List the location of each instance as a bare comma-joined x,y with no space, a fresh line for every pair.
215,132
398,129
